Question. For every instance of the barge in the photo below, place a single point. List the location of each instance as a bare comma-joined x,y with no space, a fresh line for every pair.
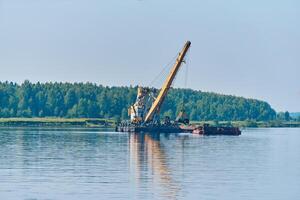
198,130
144,113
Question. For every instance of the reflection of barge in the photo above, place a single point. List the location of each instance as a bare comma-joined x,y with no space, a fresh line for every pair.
144,113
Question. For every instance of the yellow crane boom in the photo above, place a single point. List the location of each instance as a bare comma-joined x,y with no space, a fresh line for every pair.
155,108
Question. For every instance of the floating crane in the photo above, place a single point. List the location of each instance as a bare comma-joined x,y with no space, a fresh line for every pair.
144,113
147,107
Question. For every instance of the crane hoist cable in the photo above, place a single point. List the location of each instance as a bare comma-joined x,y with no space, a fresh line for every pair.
187,64
163,73
181,106
183,72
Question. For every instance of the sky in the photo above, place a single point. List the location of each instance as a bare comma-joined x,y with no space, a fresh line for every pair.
248,48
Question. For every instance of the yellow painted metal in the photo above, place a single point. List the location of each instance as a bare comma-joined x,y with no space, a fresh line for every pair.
155,108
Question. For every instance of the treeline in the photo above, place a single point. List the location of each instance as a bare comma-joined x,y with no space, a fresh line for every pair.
212,106
89,100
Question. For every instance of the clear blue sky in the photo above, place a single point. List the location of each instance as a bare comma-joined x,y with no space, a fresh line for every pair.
248,48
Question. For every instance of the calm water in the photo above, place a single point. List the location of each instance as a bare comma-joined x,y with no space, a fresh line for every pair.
90,164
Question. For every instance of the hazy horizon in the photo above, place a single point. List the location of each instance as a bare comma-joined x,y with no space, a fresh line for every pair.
247,49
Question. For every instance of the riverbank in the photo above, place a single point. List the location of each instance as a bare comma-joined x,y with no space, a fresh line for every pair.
58,122
111,123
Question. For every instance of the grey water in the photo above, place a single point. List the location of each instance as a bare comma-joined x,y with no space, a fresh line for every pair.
91,164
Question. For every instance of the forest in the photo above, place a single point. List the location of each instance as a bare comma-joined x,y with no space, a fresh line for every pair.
88,100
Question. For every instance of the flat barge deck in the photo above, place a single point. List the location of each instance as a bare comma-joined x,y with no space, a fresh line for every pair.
200,130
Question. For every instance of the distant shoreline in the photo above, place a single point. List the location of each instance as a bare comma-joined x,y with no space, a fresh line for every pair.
111,123
57,122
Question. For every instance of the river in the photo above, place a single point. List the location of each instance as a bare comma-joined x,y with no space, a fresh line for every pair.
41,163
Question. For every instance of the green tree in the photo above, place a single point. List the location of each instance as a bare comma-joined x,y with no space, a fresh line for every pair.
287,116
90,100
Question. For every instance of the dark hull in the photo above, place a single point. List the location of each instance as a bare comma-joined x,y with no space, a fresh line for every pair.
217,131
200,130
152,129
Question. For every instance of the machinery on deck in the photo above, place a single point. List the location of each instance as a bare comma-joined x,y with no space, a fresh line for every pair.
144,113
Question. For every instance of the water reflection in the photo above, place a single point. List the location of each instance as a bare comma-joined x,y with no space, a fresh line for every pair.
148,163
90,164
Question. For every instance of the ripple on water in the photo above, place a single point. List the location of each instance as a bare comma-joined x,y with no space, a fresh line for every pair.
89,164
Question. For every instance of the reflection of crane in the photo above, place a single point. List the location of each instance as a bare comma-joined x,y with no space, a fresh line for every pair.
148,157
139,111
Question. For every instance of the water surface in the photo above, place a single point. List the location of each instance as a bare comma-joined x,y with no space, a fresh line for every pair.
91,164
